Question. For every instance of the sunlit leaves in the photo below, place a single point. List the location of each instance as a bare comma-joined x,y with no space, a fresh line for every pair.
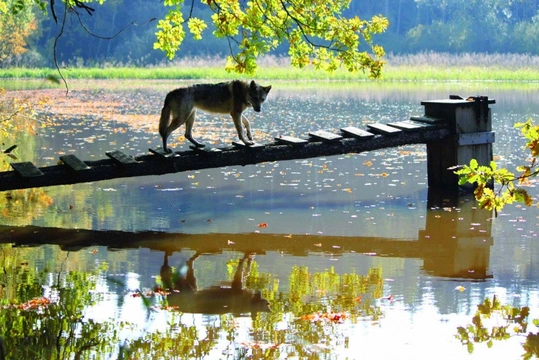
531,133
510,186
196,27
171,33
315,30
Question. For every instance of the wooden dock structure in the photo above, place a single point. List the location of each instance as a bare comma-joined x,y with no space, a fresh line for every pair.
454,130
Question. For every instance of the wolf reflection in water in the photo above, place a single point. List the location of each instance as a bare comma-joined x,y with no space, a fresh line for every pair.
185,296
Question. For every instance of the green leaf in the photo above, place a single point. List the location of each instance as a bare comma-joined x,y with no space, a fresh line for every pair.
53,79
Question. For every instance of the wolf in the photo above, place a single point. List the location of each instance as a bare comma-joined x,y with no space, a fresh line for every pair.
186,297
224,98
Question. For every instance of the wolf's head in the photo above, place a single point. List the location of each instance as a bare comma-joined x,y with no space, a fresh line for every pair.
257,95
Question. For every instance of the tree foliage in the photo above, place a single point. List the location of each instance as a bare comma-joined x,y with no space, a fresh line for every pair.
511,186
491,26
17,23
316,31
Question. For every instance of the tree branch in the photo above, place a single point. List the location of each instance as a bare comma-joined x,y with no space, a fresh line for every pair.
133,23
55,49
301,25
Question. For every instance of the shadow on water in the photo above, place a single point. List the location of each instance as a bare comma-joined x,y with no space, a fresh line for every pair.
455,242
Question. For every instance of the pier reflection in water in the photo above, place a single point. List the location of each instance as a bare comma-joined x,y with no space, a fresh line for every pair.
302,293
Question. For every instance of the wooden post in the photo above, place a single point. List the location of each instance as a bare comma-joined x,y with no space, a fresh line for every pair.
470,122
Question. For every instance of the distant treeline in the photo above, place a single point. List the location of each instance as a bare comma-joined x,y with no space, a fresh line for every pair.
455,26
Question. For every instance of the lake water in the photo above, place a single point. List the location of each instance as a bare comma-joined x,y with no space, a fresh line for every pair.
339,257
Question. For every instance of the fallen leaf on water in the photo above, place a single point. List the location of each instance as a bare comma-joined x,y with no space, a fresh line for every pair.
334,317
263,225
460,288
35,303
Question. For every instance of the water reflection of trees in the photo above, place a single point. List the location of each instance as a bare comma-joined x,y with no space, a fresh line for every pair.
43,315
494,321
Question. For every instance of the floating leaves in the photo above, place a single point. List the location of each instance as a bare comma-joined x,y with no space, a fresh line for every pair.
330,317
34,304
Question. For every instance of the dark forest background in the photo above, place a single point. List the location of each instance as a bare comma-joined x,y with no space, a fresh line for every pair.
450,26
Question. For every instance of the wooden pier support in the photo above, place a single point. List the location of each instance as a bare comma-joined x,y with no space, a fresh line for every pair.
470,124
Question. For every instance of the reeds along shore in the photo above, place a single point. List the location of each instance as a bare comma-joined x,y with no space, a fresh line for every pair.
417,67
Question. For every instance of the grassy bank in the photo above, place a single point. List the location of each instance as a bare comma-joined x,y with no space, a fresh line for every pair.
420,67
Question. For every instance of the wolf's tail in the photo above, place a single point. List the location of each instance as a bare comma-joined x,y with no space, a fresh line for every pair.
164,120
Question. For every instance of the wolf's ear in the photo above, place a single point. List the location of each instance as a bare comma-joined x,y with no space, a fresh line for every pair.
253,84
266,88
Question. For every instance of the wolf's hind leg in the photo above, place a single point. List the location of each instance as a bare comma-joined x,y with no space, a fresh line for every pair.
189,128
247,125
237,117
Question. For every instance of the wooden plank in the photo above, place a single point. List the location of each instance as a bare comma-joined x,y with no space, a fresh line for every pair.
425,125
120,158
428,119
241,144
406,125
383,129
322,135
74,163
206,150
290,140
352,131
478,138
162,153
26,169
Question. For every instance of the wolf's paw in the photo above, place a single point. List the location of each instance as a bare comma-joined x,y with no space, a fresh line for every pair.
199,145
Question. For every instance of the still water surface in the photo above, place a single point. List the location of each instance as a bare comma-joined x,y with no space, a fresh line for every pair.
340,257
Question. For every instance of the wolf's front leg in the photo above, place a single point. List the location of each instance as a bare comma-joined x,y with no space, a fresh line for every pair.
189,128
247,125
237,117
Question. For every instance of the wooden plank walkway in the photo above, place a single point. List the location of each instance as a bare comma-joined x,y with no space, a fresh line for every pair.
320,143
